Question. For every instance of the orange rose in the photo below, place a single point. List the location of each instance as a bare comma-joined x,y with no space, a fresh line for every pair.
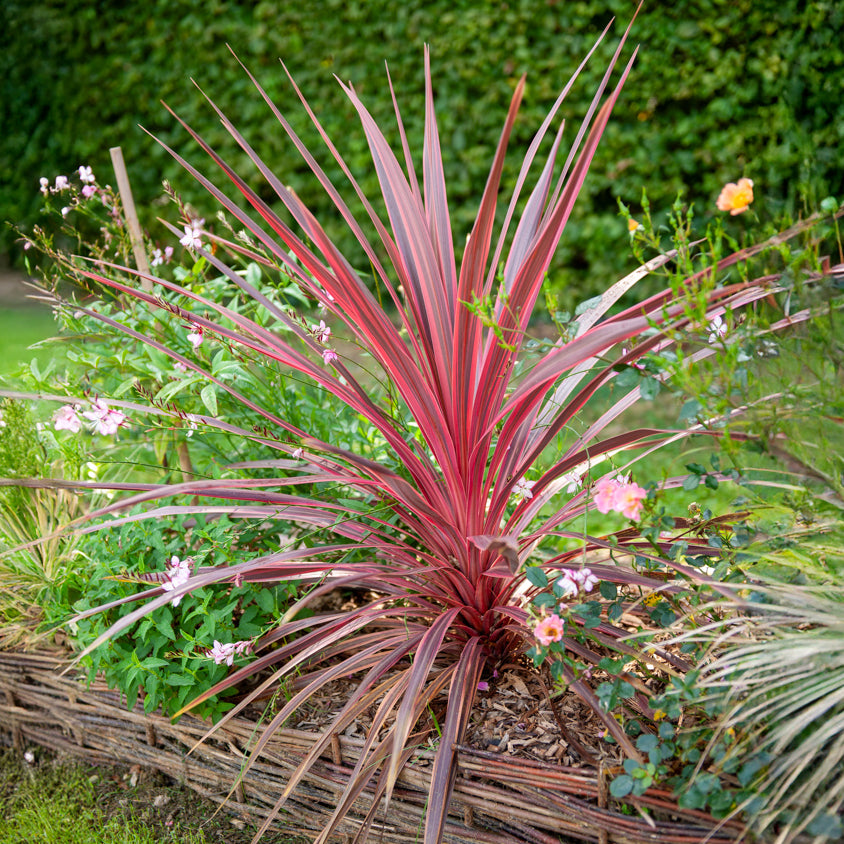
736,198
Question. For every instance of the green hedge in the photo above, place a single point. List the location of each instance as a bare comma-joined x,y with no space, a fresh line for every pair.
721,89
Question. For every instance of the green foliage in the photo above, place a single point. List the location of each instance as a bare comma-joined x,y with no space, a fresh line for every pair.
721,89
163,658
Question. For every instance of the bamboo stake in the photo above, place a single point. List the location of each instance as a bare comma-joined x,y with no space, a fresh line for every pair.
132,222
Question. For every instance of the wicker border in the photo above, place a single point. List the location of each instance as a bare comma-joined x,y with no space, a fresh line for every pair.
493,802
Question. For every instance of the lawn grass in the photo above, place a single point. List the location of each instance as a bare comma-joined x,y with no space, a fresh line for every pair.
59,800
20,327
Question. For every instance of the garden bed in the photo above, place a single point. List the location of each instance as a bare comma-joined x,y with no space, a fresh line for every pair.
494,801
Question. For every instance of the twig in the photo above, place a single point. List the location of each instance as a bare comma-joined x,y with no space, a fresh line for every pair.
135,235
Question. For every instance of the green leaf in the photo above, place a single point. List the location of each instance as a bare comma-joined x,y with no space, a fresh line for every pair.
690,410
621,786
711,482
691,482
608,590
180,680
209,398
649,388
647,742
536,575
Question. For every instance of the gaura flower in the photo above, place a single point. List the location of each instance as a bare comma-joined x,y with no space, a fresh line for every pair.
226,651
321,332
45,185
88,191
61,184
67,419
193,235
177,574
85,175
105,420
549,630
736,198
196,335
328,356
573,581
522,488
717,329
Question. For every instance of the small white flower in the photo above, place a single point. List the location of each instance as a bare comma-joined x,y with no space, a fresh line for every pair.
29,757
45,185
65,211
573,482
61,184
297,453
157,258
522,488
85,175
193,235
717,329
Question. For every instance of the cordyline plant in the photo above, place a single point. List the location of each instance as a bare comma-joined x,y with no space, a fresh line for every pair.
447,535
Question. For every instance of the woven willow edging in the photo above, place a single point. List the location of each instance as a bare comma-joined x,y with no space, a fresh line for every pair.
496,800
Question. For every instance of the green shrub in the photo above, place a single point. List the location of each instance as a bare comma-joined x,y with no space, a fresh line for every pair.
721,88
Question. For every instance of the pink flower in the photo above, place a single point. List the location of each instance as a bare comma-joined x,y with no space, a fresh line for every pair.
483,686
196,336
177,574
568,583
588,581
297,453
88,191
550,629
620,495
67,419
61,184
45,185
522,489
604,494
573,581
328,356
226,651
321,332
181,367
193,235
85,175
105,420
628,501
736,198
